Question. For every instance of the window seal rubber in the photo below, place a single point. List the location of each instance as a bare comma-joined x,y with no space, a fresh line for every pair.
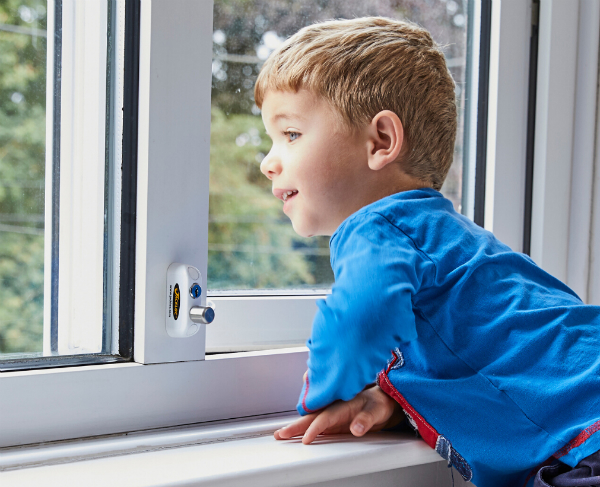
482,111
129,178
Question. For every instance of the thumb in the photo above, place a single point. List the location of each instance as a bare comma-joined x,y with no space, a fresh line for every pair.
362,423
371,414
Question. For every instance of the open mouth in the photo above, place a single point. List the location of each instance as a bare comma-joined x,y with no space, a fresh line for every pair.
289,195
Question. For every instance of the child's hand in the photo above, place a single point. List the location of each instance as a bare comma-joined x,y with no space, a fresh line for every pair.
371,410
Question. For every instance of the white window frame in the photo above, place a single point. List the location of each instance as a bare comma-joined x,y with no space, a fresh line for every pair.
554,145
82,170
80,185
171,382
507,121
564,237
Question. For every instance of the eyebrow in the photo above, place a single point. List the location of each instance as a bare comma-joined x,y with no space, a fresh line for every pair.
286,116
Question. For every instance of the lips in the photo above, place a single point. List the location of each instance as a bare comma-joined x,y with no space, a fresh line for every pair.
285,194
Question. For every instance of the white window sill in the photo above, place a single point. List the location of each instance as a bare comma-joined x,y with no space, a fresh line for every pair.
226,454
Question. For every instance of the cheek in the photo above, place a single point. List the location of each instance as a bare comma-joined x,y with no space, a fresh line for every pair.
323,158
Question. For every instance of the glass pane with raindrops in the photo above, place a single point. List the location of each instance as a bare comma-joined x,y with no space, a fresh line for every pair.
252,245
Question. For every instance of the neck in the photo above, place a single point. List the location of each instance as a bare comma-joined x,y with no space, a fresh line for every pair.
393,181
377,188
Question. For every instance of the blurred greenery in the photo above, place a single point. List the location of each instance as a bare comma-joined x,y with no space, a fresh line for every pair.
251,242
22,152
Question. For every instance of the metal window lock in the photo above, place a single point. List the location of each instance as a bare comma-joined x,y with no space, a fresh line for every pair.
184,312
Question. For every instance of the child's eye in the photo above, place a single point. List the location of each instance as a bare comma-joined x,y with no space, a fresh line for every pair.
291,135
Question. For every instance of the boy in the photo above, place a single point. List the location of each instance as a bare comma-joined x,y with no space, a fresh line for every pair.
494,361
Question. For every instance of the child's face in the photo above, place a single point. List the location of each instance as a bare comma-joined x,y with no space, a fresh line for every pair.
314,157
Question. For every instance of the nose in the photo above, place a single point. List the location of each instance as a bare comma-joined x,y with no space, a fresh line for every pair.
270,165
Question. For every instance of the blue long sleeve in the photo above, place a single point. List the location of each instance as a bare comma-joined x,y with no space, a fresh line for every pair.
367,314
495,361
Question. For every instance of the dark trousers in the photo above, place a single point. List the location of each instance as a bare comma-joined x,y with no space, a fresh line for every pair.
585,474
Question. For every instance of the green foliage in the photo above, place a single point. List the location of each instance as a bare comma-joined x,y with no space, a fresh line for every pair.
21,292
22,153
251,242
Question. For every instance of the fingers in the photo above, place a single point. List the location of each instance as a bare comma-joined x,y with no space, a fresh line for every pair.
371,409
323,421
296,428
334,419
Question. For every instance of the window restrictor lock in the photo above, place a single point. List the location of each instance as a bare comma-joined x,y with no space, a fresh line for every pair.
184,312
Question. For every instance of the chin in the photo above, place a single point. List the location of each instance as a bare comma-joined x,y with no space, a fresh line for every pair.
302,231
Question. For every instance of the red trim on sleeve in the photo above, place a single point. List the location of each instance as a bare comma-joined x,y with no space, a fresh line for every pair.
304,397
427,432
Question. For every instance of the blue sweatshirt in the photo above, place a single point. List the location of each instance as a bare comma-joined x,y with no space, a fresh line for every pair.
496,362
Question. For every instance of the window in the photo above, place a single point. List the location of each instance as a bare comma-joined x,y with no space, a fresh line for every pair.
170,381
255,259
63,120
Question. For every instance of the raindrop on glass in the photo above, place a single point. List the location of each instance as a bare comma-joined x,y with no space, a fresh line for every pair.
16,97
459,20
219,37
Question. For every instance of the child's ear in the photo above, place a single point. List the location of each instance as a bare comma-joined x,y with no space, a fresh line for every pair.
386,137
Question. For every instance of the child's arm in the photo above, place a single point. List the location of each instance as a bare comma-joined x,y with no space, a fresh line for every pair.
371,410
367,315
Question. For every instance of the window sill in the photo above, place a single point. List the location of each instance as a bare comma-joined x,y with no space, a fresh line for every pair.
225,454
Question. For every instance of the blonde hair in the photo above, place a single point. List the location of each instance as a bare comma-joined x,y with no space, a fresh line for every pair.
366,65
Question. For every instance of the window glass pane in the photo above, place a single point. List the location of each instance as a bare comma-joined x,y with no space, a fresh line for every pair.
60,119
22,152
251,242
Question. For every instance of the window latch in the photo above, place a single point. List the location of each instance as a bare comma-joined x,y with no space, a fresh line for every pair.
185,313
